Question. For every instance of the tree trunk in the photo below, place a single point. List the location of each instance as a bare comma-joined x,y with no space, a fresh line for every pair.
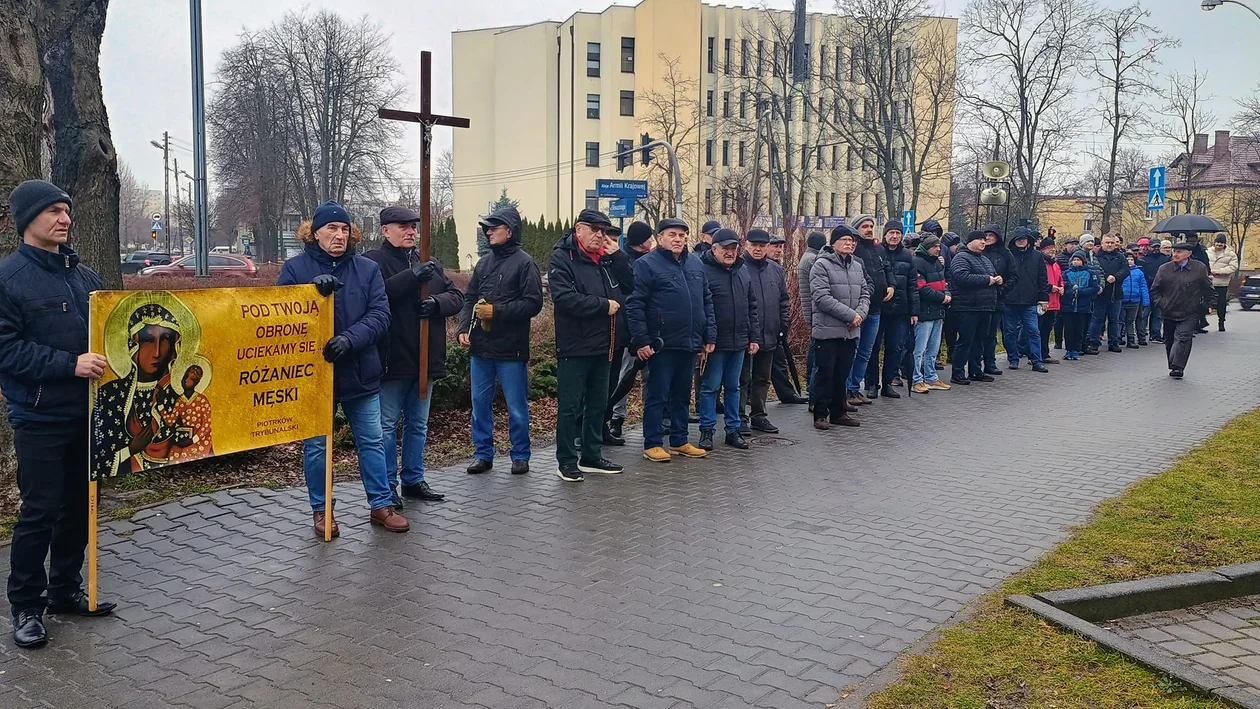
84,162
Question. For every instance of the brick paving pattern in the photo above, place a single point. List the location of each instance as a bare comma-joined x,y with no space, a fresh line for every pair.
1221,639
772,578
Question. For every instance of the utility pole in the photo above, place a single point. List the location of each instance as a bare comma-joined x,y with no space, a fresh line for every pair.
165,147
201,213
179,240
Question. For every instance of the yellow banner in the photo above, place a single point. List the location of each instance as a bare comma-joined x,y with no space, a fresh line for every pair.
199,373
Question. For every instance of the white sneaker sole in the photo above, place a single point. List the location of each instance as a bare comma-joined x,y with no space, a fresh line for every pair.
598,471
568,480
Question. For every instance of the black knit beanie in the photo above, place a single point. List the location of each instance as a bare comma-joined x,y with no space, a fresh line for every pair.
31,198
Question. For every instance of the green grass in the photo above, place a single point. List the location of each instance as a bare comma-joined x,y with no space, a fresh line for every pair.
1202,513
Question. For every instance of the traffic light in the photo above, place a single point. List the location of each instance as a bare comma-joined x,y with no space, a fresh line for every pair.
625,154
645,156
153,234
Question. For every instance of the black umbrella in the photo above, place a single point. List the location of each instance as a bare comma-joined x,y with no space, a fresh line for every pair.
627,382
1188,224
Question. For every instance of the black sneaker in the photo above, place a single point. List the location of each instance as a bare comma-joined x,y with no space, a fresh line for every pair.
745,429
961,381
706,441
888,393
1177,374
1040,369
982,378
520,467
610,439
599,465
570,473
872,393
993,371
422,491
734,440
1132,346
764,426
479,466
1114,348
614,427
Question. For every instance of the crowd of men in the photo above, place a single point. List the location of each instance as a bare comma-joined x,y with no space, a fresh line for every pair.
710,319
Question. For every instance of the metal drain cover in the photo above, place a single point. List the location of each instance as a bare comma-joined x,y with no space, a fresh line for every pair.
772,441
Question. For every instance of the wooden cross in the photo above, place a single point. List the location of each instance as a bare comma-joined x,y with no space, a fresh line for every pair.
427,119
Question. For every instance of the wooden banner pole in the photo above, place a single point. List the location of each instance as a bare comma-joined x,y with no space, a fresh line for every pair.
328,489
91,548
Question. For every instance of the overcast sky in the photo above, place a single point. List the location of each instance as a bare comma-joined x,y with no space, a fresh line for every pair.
145,60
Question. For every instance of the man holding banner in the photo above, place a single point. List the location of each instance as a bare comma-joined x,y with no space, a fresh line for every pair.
401,399
361,320
44,371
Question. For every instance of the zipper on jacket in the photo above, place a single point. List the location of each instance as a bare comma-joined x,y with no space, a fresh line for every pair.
39,392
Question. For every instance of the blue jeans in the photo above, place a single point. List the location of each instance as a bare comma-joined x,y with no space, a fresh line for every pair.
1021,333
670,383
400,398
1157,321
364,416
896,333
513,377
1106,311
927,346
866,343
722,371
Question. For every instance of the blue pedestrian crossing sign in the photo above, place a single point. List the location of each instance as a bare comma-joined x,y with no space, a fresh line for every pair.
1155,196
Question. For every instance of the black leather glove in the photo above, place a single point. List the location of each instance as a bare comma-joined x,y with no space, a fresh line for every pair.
336,348
428,308
327,284
424,270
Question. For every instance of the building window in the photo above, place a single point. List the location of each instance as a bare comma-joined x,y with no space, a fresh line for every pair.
592,59
808,57
818,163
853,64
1089,224
866,203
709,64
708,104
743,104
822,61
627,55
1200,206
839,62
837,112
853,109
1174,208
879,203
848,204
708,153
818,204
848,159
592,202
805,108
592,105
833,204
726,56
778,65
787,106
725,203
726,104
835,161
761,56
742,146
592,154
822,109
743,57
627,103
708,201
726,153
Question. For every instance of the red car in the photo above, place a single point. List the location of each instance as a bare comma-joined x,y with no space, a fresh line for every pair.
220,265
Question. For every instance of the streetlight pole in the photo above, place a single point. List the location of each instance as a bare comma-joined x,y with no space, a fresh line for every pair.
165,147
201,241
1210,5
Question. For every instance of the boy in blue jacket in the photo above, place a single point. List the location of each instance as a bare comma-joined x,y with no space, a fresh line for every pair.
1137,295
1080,284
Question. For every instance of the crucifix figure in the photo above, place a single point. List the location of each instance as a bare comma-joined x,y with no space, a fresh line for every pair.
427,119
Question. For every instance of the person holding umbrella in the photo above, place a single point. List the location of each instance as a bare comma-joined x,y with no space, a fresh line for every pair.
1182,290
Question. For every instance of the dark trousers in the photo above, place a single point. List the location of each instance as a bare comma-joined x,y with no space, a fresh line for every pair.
755,381
614,378
1058,329
1179,340
1222,301
1074,325
989,351
949,334
668,384
1156,318
780,376
894,330
973,332
1130,315
1047,322
52,478
582,391
835,359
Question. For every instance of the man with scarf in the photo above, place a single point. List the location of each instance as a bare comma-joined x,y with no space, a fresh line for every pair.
360,321
587,298
502,297
45,367
401,400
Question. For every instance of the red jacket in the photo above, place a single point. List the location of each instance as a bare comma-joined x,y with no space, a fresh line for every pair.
1054,275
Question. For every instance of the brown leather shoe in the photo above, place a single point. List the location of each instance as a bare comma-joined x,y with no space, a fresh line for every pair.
822,425
319,526
389,518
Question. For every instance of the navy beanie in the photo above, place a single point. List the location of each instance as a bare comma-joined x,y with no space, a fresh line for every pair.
816,240
29,199
637,233
894,225
327,213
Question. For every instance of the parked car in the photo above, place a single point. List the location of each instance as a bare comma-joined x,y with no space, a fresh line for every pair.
1249,292
220,265
136,261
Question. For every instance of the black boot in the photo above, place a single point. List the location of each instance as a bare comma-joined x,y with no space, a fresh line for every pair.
610,439
706,440
614,427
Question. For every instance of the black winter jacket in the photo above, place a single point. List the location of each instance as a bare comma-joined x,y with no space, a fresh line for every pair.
969,285
1150,264
931,285
508,279
773,301
1000,257
43,330
905,300
400,349
878,268
1027,283
1112,263
735,306
581,289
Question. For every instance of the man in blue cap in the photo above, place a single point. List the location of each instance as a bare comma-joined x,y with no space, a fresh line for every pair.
774,306
706,236
738,333
45,367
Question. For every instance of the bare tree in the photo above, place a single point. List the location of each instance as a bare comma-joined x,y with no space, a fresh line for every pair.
1124,63
892,96
1023,59
672,115
442,201
1243,213
1185,115
133,217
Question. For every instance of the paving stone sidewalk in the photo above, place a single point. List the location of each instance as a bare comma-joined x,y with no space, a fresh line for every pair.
770,578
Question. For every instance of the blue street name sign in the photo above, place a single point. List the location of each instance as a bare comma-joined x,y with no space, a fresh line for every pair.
621,189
